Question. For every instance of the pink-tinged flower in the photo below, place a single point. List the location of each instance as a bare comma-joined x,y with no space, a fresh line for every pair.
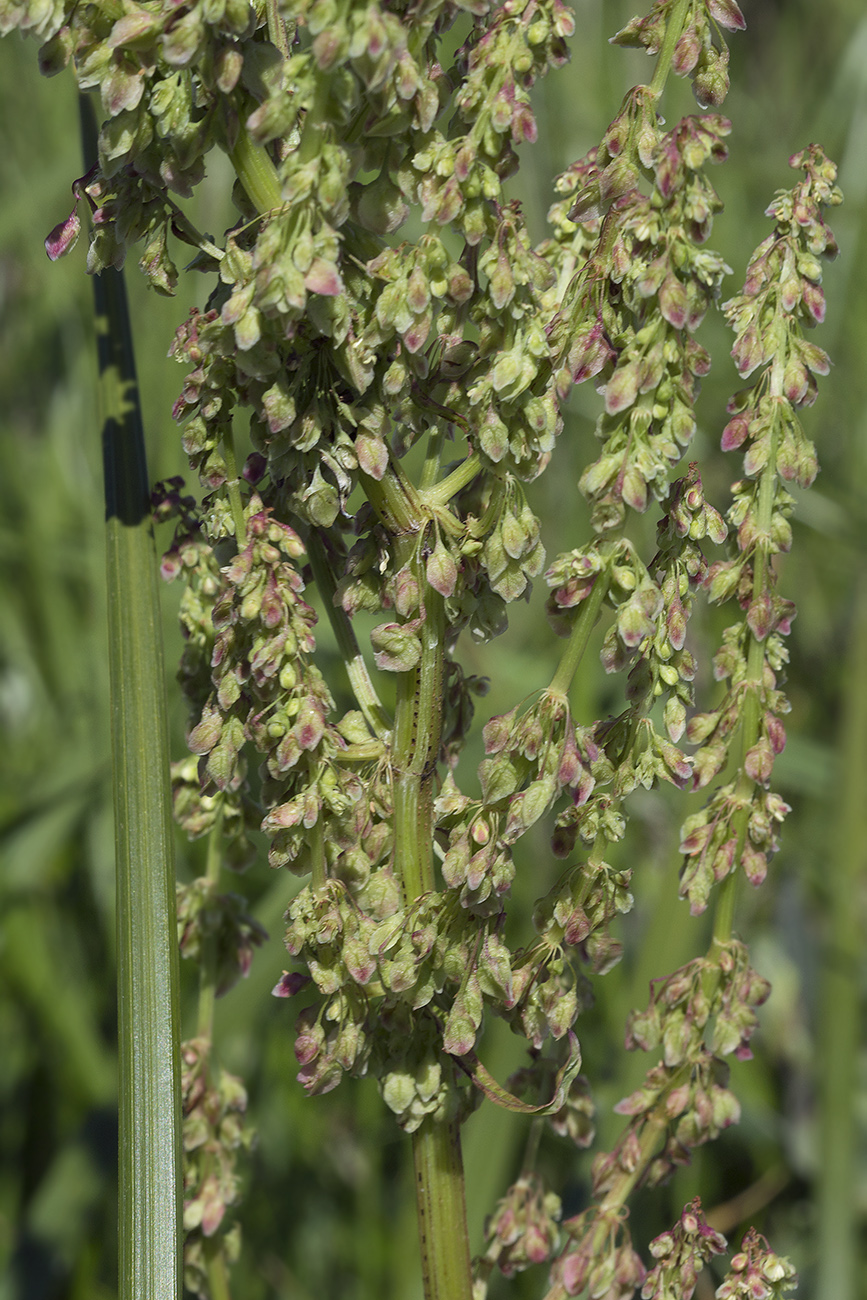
727,14
64,236
290,983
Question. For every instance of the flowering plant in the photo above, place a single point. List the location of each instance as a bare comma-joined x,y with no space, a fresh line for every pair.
401,394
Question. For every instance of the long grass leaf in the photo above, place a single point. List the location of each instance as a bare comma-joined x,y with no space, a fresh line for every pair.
148,1002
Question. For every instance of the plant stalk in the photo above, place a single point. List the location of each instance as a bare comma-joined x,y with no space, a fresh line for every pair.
442,1211
579,637
417,726
439,494
208,967
256,172
673,30
439,1176
234,488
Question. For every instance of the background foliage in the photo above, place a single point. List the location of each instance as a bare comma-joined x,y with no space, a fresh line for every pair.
328,1208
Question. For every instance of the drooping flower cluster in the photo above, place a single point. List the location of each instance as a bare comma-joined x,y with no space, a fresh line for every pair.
523,1229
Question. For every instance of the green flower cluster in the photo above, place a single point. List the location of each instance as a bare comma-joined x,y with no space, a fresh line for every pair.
698,1015
757,1271
681,1008
648,637
782,295
523,1230
629,315
696,54
359,357
598,1258
206,915
681,1254
402,985
214,1131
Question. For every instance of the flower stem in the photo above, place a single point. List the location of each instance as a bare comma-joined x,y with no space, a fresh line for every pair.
234,488
256,172
579,637
439,1177
356,669
624,1185
441,493
218,1276
673,30
277,30
395,500
432,459
612,1204
208,967
417,726
315,121
418,720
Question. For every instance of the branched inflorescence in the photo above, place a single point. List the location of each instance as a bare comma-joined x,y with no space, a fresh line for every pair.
344,346
781,297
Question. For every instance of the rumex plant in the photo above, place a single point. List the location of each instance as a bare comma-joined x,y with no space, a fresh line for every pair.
400,393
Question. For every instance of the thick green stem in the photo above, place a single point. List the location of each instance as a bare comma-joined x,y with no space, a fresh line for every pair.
442,1212
417,727
432,458
395,500
256,172
150,1234
439,1174
841,1009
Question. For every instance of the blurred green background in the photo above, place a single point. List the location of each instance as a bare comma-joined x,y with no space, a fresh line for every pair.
328,1209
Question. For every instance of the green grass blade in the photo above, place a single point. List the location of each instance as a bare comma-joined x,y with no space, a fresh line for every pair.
148,999
840,1016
